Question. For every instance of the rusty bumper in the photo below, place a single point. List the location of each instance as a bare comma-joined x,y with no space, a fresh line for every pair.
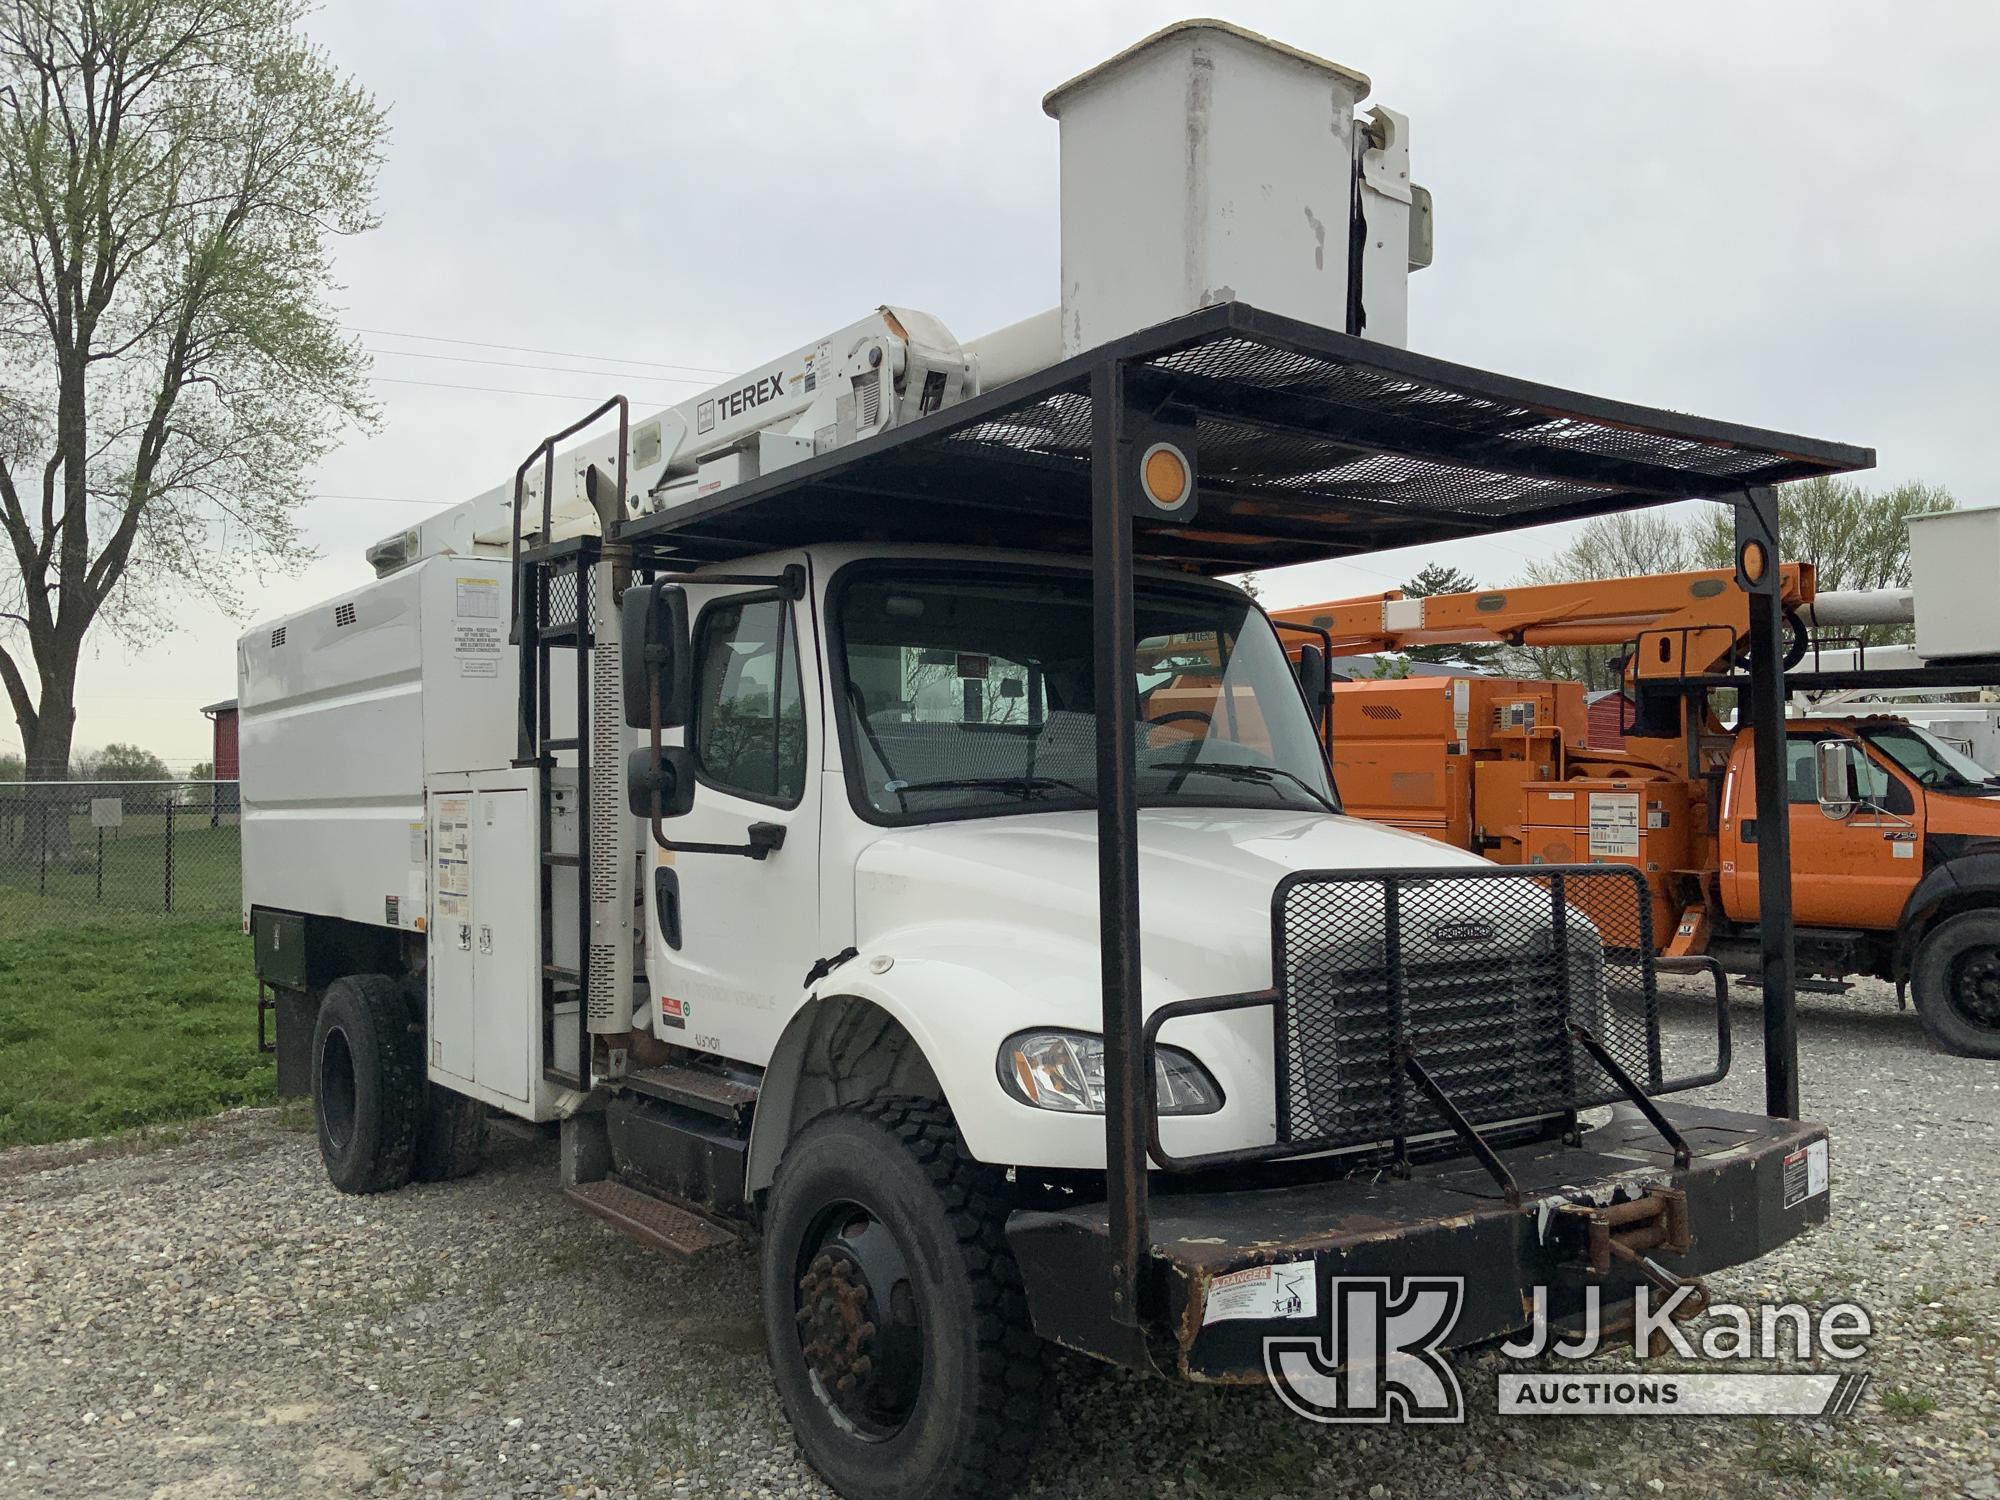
1752,1184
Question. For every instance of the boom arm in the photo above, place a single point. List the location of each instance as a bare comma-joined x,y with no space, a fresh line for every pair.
1692,623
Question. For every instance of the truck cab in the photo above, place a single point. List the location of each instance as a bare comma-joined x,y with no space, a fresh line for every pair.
1897,865
929,755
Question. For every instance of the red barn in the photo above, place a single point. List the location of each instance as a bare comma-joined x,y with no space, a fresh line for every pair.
1605,712
223,716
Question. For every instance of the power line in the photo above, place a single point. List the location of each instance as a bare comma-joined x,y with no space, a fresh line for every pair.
508,364
491,390
384,499
433,338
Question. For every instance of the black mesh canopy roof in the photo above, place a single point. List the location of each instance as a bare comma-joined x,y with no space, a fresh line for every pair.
1308,444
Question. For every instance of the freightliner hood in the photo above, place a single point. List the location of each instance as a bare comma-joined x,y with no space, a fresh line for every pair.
1205,881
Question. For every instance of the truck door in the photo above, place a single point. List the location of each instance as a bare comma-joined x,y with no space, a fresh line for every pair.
1855,871
729,938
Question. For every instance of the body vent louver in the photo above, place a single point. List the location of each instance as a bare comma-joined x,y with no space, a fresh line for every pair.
277,637
868,399
343,614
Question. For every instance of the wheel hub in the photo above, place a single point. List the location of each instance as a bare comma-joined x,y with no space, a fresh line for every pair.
1977,993
857,1328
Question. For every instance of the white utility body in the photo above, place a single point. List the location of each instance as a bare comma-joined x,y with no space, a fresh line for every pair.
814,798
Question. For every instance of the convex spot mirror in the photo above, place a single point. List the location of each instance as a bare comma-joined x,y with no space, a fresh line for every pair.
1837,766
669,778
654,654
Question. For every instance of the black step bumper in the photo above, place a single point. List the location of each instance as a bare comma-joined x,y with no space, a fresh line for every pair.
1746,1193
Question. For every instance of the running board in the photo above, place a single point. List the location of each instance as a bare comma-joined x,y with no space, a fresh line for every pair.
699,1089
649,1220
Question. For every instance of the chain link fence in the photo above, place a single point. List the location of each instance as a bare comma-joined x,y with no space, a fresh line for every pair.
85,847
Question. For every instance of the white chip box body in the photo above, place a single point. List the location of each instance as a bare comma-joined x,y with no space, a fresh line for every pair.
345,709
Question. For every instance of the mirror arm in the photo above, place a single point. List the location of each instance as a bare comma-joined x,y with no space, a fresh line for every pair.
764,838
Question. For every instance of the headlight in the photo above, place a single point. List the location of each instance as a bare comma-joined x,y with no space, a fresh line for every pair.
1065,1070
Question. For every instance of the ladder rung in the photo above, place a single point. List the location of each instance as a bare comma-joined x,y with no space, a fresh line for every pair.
557,971
549,746
553,858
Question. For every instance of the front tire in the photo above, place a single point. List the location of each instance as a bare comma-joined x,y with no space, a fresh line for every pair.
1956,982
368,1082
897,1326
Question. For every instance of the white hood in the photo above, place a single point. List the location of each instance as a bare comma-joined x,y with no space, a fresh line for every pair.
1205,881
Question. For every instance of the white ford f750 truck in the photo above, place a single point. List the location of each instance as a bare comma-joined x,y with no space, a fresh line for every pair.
777,792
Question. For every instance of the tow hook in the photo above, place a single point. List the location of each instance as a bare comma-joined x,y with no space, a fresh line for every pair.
1624,1232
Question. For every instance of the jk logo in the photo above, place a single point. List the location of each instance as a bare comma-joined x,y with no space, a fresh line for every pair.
1377,1359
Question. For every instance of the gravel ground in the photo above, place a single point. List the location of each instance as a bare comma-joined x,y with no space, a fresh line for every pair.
206,1317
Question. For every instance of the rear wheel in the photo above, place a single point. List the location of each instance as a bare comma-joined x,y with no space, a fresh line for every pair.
1956,981
451,1136
898,1330
368,1080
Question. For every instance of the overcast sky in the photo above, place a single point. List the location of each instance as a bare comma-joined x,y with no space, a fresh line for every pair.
1783,215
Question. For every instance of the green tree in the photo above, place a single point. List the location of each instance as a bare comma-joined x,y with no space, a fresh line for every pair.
1628,544
12,768
1434,579
120,762
1855,537
171,173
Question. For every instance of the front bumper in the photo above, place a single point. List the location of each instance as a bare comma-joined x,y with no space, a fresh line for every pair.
1748,1190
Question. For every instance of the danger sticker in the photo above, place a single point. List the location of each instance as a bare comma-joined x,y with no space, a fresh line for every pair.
1614,825
1285,1291
1805,1174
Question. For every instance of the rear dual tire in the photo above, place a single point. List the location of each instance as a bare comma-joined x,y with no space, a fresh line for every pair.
380,1122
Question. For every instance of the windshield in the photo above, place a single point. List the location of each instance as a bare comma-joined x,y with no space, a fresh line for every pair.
970,692
1928,759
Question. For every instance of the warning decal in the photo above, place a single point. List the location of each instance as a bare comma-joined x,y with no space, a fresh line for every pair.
478,599
1805,1174
454,870
476,630
1614,825
1290,1290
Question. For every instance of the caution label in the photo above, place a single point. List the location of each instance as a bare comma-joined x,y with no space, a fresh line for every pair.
1614,825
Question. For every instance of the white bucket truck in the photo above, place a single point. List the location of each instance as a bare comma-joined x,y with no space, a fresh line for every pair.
851,804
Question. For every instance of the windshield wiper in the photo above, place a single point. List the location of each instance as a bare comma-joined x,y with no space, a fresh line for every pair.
1024,787
1237,771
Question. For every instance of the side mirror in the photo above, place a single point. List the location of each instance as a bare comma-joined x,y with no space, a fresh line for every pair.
1316,677
670,778
654,654
1838,776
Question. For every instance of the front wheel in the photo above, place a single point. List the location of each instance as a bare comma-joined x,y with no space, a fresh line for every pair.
1956,982
897,1326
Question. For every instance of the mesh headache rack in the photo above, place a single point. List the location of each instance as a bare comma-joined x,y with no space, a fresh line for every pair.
1305,445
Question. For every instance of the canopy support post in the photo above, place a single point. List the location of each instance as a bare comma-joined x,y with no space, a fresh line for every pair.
1757,558
1115,660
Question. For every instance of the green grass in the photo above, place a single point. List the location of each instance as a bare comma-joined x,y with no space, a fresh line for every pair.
132,872
1900,1401
121,1023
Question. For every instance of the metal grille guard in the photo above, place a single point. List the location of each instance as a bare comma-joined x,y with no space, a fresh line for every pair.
1418,1004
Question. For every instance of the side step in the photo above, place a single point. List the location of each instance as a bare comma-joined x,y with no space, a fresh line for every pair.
649,1220
698,1089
